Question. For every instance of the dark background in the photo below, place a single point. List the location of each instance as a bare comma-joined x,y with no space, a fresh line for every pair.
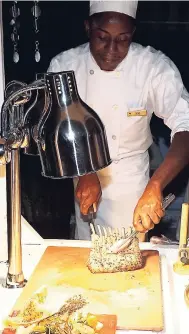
48,204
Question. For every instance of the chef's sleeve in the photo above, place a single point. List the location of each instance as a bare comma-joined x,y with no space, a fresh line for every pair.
54,66
169,98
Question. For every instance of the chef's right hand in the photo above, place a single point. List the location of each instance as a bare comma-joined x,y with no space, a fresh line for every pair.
88,192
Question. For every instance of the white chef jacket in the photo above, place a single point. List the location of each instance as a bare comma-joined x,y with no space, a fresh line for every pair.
146,81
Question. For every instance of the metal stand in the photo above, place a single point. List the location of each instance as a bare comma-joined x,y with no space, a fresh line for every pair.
15,277
59,159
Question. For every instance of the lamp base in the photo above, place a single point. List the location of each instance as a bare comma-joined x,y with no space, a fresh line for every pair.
180,268
15,281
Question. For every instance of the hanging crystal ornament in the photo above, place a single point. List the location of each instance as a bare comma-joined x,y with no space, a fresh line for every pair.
36,12
15,13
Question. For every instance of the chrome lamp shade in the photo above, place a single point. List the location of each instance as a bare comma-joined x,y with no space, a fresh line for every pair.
71,137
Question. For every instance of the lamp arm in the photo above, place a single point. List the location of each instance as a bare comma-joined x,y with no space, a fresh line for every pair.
37,84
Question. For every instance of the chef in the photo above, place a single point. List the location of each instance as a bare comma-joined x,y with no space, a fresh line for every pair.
125,83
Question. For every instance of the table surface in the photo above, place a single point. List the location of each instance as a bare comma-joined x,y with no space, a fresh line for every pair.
175,310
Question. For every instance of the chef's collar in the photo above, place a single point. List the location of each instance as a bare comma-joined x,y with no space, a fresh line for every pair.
92,64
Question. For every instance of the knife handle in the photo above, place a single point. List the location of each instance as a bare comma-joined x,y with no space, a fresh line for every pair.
91,213
92,209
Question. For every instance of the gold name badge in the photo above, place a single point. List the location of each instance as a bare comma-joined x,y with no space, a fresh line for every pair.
137,113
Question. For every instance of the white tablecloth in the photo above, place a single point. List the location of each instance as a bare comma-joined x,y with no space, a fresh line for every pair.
176,313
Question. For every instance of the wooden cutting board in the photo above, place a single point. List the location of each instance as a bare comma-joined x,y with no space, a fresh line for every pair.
135,297
109,323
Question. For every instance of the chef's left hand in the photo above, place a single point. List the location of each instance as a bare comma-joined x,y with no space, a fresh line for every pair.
149,209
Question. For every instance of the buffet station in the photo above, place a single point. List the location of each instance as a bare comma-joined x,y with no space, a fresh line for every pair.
80,287
149,300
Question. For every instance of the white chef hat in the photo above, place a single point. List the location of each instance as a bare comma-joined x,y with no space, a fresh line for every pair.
120,6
